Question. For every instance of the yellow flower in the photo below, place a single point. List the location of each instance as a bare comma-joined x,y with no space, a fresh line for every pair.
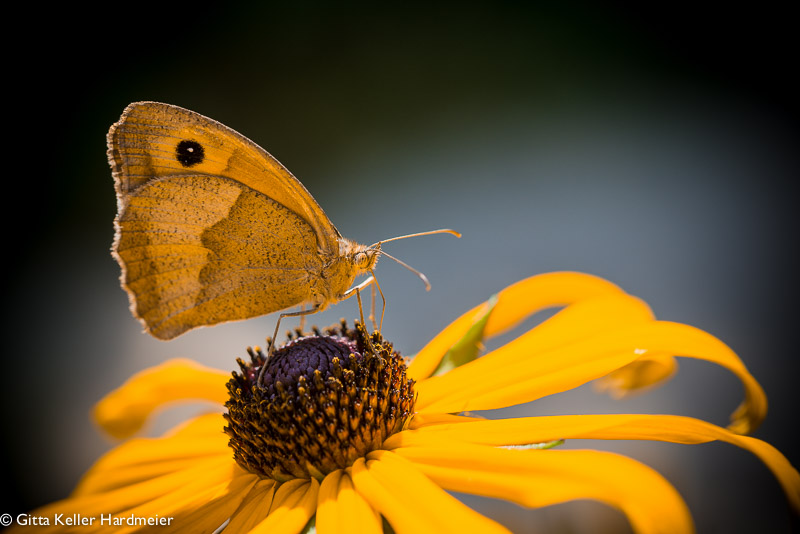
189,481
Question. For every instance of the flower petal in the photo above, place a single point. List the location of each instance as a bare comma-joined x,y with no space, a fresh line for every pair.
200,507
342,510
197,486
515,303
253,509
410,502
124,411
145,458
537,478
637,376
421,420
669,428
582,320
327,518
292,507
567,367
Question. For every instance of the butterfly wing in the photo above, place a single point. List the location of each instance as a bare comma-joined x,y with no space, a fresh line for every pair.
153,140
210,227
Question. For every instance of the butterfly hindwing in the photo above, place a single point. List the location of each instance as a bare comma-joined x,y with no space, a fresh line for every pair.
229,253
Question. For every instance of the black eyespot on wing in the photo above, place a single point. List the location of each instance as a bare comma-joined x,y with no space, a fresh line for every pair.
189,152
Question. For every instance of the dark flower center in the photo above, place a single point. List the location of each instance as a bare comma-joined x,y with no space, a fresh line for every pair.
324,401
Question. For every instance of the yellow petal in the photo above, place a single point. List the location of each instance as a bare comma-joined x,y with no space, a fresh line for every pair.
427,360
327,518
200,507
514,304
341,510
171,487
292,507
205,425
421,420
669,428
532,375
691,342
637,376
522,299
124,411
410,502
146,458
580,321
570,366
96,481
541,478
253,509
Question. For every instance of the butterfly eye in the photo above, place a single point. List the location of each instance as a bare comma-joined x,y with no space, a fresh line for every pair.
189,152
363,259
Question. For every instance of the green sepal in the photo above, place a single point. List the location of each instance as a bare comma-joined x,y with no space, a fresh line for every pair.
468,347
536,446
311,526
387,528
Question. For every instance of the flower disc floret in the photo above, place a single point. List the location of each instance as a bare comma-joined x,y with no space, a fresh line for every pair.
322,402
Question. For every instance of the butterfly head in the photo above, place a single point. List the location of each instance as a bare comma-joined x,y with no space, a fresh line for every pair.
366,258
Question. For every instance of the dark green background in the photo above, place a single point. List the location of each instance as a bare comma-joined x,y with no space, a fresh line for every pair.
654,147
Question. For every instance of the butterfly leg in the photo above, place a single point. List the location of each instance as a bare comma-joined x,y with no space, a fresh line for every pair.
372,306
361,313
383,300
353,290
356,290
360,307
303,317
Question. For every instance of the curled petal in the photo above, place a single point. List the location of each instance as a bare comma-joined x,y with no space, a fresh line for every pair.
531,351
570,366
410,502
124,411
637,376
514,303
543,478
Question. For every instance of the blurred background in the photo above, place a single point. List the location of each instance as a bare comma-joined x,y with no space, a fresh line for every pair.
655,147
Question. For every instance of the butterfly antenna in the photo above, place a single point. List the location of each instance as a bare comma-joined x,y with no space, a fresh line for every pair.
410,268
442,231
422,277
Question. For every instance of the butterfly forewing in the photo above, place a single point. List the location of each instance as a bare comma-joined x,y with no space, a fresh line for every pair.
154,140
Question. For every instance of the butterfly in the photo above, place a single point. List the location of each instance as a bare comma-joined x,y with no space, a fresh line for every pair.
211,228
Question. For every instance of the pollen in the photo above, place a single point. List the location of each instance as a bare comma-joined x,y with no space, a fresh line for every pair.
323,401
